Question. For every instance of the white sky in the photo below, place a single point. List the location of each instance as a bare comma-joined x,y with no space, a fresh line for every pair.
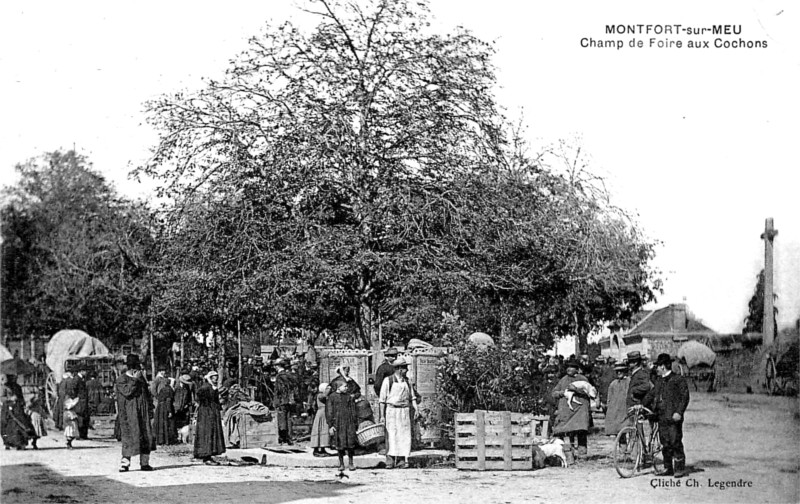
700,144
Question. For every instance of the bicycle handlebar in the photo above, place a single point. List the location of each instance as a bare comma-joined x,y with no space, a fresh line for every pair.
638,409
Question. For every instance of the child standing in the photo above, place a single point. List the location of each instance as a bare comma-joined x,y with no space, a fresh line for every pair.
70,420
320,437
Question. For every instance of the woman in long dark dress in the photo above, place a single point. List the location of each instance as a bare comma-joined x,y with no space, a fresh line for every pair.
58,413
340,412
164,427
15,425
209,439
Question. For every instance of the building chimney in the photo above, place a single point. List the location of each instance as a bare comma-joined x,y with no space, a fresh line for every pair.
679,317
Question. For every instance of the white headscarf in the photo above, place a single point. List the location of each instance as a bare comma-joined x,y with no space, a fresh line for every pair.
208,376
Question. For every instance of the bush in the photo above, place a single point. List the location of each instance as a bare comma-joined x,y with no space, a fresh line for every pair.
490,378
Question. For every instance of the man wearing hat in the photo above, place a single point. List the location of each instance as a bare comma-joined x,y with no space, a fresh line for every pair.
669,400
385,369
640,383
604,379
572,422
397,400
617,393
134,403
284,401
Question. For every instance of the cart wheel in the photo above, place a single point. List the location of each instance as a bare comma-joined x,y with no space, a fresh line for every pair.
51,394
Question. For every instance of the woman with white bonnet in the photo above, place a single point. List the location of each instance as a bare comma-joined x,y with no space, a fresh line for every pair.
320,437
209,439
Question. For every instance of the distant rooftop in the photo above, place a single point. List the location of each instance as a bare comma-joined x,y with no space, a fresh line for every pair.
671,319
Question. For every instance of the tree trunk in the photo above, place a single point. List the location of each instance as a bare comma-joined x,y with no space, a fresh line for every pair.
581,335
369,326
220,342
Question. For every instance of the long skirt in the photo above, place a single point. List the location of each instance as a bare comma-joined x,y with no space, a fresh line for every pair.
320,430
38,424
209,439
398,431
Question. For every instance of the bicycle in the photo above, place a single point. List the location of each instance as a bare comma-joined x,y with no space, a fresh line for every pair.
633,449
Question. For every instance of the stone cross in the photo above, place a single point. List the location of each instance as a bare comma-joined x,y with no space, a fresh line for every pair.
768,329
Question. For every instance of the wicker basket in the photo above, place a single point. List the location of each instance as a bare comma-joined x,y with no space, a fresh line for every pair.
371,434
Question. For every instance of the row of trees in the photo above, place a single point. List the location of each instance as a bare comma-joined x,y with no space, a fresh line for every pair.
358,178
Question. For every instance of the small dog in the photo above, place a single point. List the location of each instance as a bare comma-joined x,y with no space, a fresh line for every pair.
552,448
186,433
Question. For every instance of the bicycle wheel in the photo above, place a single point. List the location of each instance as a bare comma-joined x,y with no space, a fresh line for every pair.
656,453
627,452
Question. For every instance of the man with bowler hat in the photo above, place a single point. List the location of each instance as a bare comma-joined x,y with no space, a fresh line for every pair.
134,404
639,384
669,400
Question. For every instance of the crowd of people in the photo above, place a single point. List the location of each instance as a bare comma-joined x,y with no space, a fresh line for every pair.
616,388
153,413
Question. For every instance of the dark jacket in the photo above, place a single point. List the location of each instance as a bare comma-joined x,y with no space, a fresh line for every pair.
608,375
134,403
384,370
639,387
670,395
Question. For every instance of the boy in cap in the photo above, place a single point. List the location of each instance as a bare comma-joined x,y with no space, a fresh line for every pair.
134,402
669,400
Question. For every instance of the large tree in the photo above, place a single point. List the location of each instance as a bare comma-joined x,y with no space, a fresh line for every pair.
360,172
74,253
343,139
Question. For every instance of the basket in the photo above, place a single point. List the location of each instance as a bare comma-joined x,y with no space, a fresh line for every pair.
372,434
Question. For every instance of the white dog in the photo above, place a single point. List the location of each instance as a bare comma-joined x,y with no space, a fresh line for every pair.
552,448
186,433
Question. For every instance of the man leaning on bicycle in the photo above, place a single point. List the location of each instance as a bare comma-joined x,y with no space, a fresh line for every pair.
668,400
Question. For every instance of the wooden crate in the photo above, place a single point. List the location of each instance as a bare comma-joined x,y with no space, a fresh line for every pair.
254,434
497,440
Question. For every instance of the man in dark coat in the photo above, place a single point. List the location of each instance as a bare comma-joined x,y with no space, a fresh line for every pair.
385,370
134,404
182,402
572,422
639,384
669,400
284,401
607,376
94,391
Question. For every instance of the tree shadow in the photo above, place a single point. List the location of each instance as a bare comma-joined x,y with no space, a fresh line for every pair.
27,483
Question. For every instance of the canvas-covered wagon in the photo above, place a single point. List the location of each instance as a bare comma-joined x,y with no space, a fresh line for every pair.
699,360
72,350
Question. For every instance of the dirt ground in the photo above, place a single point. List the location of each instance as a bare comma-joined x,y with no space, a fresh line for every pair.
747,440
